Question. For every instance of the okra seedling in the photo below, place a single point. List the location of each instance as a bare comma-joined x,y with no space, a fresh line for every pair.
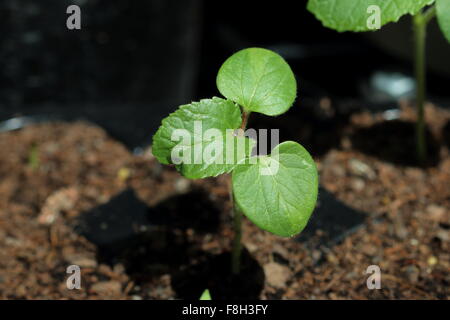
369,15
276,191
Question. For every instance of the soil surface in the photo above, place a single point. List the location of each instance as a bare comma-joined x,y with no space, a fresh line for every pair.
71,195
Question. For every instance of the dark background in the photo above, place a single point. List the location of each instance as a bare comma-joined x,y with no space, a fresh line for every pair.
134,61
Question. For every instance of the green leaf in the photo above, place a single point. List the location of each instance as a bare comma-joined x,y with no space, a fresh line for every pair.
443,16
259,80
282,201
185,137
352,15
206,295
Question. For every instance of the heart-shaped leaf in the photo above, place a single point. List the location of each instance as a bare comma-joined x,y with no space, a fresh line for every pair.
279,192
259,80
352,15
199,139
443,15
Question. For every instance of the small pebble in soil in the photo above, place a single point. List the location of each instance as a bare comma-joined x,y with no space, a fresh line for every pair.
276,274
182,185
359,168
282,251
435,212
108,288
81,260
316,255
412,273
59,201
251,247
358,184
443,235
432,261
369,249
123,174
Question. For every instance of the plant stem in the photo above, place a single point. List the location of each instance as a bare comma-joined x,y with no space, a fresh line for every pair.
419,65
245,116
420,26
237,217
420,30
237,244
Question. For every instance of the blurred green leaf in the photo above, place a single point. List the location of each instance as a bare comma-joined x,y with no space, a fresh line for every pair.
443,16
352,15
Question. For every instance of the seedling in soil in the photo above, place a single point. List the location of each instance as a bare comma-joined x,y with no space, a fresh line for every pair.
278,191
351,15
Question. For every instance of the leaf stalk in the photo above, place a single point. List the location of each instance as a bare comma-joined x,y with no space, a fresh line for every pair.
420,22
237,216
